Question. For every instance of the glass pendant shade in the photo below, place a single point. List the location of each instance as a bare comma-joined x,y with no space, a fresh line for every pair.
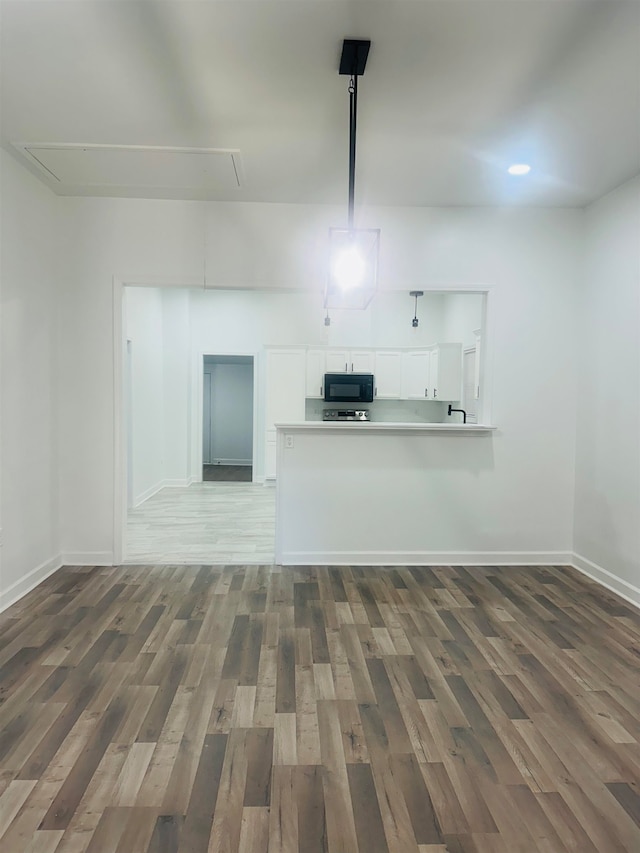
353,267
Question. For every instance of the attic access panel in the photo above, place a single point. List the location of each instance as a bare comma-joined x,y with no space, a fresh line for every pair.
135,166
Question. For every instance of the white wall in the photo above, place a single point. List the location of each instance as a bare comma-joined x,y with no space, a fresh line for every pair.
100,239
528,257
462,317
28,382
144,328
540,307
607,519
177,385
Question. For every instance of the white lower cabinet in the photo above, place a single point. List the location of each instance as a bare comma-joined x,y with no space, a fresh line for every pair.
284,396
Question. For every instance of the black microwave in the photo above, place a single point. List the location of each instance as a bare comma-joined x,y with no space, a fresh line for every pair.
348,387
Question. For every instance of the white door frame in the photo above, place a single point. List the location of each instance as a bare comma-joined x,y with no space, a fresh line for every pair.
119,408
119,413
119,360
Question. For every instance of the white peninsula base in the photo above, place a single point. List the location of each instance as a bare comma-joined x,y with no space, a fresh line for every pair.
381,493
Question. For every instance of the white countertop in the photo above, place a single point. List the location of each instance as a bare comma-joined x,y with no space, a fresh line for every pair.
383,426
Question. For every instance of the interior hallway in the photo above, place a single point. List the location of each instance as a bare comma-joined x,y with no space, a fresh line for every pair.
212,522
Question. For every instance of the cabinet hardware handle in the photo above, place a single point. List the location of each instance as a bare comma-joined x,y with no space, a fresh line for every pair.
435,393
352,367
346,367
321,390
375,393
426,392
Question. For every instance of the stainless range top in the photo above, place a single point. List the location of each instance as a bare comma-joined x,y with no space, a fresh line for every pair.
345,415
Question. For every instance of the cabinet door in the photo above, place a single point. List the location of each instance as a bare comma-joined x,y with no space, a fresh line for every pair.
361,361
446,372
315,373
337,361
388,375
284,394
416,375
434,384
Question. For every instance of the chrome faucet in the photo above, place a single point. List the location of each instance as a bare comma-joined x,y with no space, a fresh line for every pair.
462,411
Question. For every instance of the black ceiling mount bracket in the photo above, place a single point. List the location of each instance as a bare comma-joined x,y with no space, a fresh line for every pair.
352,64
354,57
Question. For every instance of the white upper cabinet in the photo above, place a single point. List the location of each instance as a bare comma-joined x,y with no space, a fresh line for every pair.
434,373
415,378
388,375
337,360
361,361
349,361
445,372
316,368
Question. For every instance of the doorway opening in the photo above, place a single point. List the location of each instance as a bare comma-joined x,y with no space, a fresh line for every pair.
227,418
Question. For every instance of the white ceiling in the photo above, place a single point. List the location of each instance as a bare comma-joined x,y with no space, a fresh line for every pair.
454,91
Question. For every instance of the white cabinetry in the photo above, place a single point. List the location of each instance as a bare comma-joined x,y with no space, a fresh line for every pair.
434,373
284,396
316,368
349,361
388,375
415,375
445,372
336,360
361,361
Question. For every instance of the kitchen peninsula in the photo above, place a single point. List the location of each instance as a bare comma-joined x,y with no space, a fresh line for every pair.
380,493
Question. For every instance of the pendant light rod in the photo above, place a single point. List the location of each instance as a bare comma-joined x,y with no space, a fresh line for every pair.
352,63
353,116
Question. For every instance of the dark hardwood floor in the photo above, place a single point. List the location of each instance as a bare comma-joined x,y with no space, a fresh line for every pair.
348,710
227,473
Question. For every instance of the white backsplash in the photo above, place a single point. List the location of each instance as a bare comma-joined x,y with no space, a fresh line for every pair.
386,411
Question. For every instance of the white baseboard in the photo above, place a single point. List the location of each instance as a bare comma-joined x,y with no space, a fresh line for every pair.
605,578
148,493
246,462
163,484
31,580
88,558
425,558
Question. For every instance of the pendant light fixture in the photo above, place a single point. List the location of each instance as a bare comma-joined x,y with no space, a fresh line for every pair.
415,294
353,252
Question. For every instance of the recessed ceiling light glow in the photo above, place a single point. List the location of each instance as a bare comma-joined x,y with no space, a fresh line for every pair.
519,169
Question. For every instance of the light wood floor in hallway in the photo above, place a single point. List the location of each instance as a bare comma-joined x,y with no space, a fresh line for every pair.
204,523
323,710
